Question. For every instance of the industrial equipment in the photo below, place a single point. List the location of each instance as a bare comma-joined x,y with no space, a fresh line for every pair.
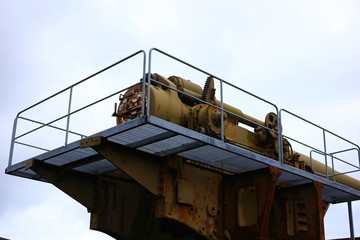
179,165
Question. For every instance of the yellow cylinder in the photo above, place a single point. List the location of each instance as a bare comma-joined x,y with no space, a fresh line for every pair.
319,167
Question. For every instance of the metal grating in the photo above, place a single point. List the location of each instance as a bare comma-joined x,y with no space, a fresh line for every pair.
288,178
169,145
241,164
222,159
97,168
71,156
26,173
209,155
137,135
162,138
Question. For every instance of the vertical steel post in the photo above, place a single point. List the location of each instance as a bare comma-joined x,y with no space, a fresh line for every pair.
358,151
148,87
143,87
12,141
351,221
68,117
333,167
280,141
325,154
222,111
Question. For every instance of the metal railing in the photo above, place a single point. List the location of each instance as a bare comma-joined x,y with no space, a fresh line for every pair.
15,138
221,107
325,152
279,132
146,111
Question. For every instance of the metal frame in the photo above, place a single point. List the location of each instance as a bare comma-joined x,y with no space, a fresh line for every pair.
351,221
221,108
324,152
146,80
69,113
291,174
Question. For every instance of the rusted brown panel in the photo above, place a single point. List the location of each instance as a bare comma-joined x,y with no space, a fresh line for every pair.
247,206
264,227
298,213
264,181
80,186
125,210
193,198
186,193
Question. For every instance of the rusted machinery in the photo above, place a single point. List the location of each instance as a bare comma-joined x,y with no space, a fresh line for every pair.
136,193
196,201
205,117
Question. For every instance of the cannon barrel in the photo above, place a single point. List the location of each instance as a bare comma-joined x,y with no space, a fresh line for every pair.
187,110
320,168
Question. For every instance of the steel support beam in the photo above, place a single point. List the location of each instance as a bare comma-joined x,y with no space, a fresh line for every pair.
79,186
351,221
142,167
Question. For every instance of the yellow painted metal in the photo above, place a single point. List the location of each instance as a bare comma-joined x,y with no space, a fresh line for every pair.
166,198
247,206
189,112
322,169
138,165
191,196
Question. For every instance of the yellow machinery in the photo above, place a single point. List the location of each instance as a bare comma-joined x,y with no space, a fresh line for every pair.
188,170
215,204
205,117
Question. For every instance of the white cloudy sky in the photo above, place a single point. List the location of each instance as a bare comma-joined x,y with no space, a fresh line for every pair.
302,55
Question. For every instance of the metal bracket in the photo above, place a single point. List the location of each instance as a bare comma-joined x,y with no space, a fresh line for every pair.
92,141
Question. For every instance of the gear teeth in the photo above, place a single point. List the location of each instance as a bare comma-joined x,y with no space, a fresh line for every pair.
206,89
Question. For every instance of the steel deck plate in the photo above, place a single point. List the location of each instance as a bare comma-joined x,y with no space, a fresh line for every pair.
71,156
162,138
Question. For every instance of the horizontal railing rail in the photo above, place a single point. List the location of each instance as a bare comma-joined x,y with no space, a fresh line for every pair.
324,152
44,125
212,105
14,138
221,108
331,155
145,111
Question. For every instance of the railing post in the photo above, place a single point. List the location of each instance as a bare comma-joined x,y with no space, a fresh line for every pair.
148,87
358,151
280,141
333,168
222,111
12,141
351,221
325,154
143,81
68,117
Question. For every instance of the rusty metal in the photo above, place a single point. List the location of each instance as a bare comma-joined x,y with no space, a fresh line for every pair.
274,174
262,183
124,209
184,109
203,201
130,106
299,212
198,109
142,167
78,185
192,196
165,196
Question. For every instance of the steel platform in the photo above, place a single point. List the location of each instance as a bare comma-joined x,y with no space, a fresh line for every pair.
162,138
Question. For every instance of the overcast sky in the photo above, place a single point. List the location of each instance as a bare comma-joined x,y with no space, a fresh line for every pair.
302,55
